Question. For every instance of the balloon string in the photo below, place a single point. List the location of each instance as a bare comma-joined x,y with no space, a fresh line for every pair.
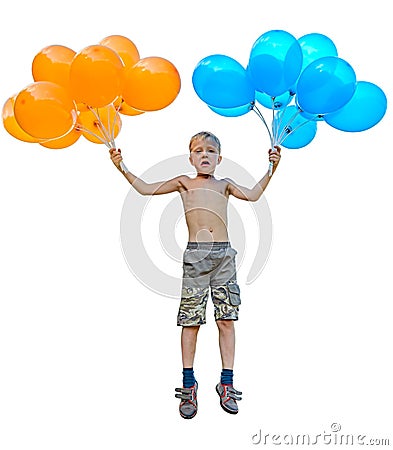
259,114
115,118
109,130
281,115
275,125
273,120
278,119
272,142
107,134
299,126
110,143
101,127
111,126
284,128
85,130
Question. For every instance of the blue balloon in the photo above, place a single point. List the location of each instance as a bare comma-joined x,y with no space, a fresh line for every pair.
275,62
279,102
325,85
294,131
365,109
222,82
315,46
232,112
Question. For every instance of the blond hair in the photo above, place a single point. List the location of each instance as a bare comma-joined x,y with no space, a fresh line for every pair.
205,135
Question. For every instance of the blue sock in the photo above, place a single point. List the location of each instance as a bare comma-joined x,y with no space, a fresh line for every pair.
188,377
227,376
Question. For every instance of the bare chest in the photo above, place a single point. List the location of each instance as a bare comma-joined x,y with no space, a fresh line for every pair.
208,194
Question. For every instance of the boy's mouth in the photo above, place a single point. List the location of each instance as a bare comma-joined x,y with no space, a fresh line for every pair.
205,163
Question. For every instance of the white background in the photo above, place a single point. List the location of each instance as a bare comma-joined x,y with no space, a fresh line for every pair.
89,356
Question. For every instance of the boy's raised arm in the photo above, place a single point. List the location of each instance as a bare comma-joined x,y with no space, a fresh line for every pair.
161,187
253,194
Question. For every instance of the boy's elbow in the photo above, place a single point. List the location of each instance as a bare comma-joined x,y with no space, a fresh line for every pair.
141,187
146,191
255,197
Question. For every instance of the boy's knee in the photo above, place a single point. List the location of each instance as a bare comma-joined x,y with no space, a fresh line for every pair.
191,329
225,325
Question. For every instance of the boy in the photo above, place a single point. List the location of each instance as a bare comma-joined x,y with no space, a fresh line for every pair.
208,261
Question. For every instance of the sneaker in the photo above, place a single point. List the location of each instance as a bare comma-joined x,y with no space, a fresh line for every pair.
188,406
228,396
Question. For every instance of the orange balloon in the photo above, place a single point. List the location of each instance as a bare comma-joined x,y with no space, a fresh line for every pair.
96,76
124,47
151,84
11,125
100,124
82,107
64,141
45,110
125,109
53,64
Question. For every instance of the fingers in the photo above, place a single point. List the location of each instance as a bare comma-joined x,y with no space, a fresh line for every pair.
115,155
278,149
117,160
274,155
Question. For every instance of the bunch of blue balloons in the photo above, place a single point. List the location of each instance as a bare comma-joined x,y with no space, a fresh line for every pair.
303,82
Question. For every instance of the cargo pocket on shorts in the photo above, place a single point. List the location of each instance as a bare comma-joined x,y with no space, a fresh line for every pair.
234,294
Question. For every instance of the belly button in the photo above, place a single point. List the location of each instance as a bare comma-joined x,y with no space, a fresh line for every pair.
211,230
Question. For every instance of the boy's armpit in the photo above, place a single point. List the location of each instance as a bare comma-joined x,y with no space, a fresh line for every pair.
166,187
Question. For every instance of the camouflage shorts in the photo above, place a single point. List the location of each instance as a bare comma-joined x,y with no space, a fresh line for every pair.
208,266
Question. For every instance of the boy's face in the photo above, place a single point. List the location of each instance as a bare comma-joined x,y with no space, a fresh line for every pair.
204,155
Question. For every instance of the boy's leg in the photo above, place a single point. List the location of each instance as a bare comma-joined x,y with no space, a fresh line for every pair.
188,393
188,344
228,394
226,330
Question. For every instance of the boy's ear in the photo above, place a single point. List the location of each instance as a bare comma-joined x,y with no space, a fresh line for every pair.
219,159
190,159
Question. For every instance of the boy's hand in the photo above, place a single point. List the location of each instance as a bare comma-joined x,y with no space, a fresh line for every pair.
275,156
116,157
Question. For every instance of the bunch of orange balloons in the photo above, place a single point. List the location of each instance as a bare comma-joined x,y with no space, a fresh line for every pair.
86,93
